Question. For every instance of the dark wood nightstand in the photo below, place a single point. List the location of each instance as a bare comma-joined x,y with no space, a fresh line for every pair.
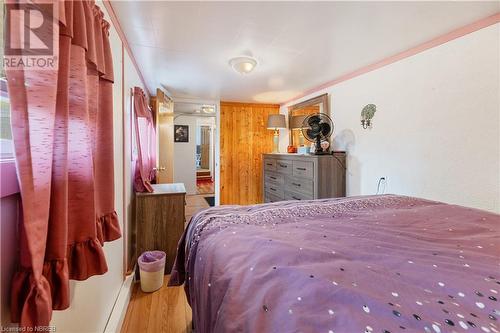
160,220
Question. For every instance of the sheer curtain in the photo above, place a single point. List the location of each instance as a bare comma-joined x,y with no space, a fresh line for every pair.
145,137
62,123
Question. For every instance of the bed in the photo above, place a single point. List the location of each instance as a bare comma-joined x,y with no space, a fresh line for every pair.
360,264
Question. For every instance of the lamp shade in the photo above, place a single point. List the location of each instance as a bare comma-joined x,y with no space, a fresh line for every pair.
297,121
275,121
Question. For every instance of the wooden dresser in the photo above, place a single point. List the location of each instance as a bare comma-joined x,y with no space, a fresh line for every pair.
302,177
160,220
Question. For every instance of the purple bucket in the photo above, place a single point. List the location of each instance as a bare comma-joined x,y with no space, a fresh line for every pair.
152,261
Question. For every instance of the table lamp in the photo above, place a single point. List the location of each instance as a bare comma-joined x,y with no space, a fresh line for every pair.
275,122
296,124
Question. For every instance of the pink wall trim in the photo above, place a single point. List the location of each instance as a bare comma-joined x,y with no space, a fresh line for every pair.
457,33
116,24
8,184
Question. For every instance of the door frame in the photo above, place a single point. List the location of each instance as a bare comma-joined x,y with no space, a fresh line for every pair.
216,104
211,142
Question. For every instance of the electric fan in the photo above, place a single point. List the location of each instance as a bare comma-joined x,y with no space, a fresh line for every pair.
317,127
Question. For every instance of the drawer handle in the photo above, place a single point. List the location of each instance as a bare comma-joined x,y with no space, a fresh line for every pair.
270,164
272,177
296,184
272,189
294,197
283,165
302,169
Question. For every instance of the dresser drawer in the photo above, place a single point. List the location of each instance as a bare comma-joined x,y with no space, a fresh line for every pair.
299,185
271,177
284,167
303,169
270,164
311,176
289,195
270,197
275,189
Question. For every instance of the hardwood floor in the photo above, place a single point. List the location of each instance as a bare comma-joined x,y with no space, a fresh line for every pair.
194,203
205,187
165,310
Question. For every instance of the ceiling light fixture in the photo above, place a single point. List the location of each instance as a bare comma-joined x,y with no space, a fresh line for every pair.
243,64
207,109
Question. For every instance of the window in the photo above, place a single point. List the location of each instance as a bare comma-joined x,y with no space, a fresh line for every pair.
6,145
8,178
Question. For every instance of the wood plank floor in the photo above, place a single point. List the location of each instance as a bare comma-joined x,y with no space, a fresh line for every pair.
165,310
194,203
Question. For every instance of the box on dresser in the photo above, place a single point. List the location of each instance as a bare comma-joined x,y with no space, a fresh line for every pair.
303,177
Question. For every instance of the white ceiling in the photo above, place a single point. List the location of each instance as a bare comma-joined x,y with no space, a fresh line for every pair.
185,46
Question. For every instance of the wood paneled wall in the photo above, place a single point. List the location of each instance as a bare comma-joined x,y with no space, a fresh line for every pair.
244,137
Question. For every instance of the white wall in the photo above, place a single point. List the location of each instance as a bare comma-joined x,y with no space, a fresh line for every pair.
131,79
184,152
217,154
92,300
436,133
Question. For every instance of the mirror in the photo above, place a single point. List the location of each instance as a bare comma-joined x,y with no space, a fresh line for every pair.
298,112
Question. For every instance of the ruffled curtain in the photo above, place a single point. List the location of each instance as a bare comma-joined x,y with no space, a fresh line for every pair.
145,137
62,123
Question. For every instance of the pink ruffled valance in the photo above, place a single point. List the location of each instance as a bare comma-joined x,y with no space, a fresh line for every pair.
62,125
83,22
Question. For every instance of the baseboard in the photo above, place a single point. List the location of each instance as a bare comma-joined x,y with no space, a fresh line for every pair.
119,311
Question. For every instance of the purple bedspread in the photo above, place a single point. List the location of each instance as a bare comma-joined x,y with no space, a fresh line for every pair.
361,264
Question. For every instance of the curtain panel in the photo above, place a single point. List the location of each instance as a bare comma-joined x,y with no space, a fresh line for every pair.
145,137
62,123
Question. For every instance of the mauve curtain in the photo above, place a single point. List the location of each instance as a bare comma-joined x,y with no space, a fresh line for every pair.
145,137
62,123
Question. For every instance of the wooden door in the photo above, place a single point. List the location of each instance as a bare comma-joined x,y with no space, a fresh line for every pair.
244,137
205,147
165,136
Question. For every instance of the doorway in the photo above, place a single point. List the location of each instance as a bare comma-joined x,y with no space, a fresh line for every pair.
204,159
195,150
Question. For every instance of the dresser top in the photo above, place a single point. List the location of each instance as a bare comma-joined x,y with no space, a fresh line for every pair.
165,189
337,153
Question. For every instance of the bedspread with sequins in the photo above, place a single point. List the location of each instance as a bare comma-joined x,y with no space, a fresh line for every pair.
360,264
